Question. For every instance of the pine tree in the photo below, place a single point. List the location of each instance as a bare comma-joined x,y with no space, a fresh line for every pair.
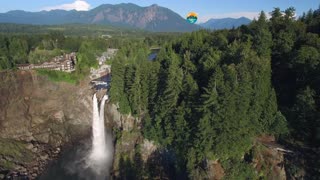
305,113
18,49
5,62
169,99
153,83
262,37
117,91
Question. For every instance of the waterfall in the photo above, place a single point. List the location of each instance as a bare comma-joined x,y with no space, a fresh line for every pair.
103,135
100,154
88,160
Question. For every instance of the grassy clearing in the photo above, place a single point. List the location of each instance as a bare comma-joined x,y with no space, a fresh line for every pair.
59,76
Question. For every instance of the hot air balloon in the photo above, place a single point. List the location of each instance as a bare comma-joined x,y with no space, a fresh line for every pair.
192,17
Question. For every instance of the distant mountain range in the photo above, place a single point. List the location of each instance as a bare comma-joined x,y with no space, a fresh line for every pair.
152,18
225,23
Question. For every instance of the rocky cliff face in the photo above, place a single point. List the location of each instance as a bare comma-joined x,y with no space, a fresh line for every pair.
38,117
154,18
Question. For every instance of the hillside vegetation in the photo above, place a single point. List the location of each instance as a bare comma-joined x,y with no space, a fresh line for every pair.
208,95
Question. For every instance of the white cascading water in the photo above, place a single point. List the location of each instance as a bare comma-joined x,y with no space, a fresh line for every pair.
100,154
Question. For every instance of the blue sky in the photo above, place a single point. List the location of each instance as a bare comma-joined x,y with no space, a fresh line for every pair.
205,8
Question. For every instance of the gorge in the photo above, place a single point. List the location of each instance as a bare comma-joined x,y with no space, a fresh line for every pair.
53,121
50,136
92,158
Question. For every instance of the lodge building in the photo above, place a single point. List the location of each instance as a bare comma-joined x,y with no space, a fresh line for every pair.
64,63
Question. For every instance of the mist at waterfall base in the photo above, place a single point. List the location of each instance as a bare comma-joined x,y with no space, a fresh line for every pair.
91,159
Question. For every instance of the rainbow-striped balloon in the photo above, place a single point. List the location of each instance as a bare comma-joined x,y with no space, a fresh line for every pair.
192,17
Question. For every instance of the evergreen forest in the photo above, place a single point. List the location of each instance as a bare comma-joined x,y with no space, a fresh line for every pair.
210,94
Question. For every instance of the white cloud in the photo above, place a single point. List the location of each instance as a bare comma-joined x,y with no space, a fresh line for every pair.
79,5
250,15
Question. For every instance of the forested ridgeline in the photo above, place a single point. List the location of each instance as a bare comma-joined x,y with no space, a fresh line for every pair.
208,95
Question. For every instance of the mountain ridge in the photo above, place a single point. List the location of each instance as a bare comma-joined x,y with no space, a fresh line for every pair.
225,23
151,18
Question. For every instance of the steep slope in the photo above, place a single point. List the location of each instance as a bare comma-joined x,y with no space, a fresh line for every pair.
153,18
225,23
37,119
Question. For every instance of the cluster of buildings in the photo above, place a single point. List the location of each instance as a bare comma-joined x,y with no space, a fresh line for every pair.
64,63
101,77
107,55
103,68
